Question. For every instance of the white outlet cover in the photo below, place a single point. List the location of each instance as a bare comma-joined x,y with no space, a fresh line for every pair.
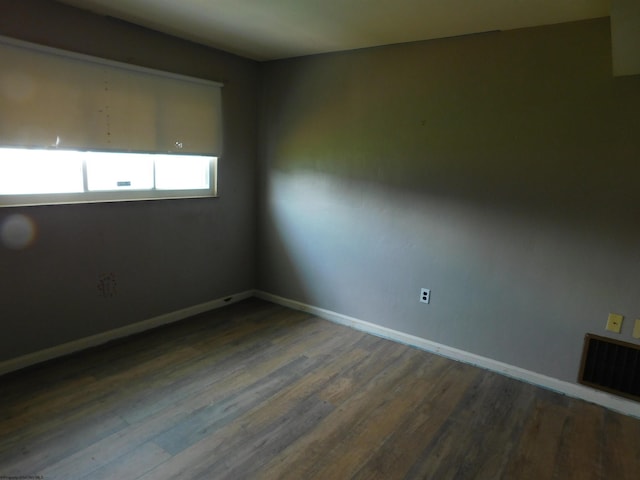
425,295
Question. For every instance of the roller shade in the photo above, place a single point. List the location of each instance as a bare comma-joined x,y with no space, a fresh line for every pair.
55,99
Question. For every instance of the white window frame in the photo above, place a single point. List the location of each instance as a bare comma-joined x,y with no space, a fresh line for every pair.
81,190
169,150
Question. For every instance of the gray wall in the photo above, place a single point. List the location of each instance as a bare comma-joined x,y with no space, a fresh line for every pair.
499,170
165,255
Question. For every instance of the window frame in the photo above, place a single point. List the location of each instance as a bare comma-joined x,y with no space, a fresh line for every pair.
111,195
86,196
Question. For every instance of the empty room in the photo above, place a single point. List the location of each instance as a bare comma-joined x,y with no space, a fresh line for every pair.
293,239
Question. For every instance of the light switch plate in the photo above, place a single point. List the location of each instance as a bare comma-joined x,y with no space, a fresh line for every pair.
636,329
614,322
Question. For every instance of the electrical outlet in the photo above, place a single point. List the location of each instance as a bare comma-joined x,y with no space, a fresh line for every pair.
614,322
425,295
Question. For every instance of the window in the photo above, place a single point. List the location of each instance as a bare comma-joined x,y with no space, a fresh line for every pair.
30,176
74,128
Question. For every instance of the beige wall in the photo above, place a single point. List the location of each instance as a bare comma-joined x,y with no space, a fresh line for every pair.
498,170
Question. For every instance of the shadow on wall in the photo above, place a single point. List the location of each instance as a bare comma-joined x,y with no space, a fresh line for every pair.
500,168
530,122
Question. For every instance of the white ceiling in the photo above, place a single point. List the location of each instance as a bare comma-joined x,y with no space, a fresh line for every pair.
274,29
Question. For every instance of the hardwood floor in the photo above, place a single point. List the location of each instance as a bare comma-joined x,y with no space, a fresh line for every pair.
256,390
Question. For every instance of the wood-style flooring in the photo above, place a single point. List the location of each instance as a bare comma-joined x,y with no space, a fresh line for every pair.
258,391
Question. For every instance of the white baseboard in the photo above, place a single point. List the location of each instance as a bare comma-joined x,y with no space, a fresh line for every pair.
94,340
574,390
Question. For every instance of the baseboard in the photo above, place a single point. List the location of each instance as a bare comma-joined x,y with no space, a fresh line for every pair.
95,340
618,404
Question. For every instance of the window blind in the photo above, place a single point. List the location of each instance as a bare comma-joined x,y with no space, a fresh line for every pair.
50,98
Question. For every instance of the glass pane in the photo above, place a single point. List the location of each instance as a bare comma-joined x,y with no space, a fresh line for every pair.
24,171
119,171
182,172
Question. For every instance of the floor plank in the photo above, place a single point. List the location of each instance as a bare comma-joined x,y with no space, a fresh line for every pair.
256,390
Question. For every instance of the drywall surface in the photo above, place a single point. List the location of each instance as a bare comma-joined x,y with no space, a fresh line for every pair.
96,267
498,170
625,36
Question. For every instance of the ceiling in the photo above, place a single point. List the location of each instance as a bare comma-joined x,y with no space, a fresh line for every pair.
275,29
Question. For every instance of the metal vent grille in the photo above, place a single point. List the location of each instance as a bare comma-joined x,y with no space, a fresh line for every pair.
611,365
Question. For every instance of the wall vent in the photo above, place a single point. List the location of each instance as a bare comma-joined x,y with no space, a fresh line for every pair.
611,365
